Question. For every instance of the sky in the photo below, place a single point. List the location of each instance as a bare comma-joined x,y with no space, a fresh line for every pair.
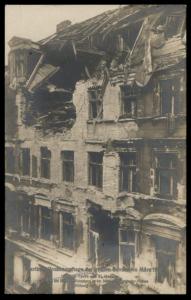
39,21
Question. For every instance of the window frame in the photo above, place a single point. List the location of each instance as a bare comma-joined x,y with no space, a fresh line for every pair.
96,167
164,21
44,218
170,253
170,171
68,284
129,97
25,171
68,225
131,183
26,218
45,163
97,101
34,162
179,27
127,244
67,164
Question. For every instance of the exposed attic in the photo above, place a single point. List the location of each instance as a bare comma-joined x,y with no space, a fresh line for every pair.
123,46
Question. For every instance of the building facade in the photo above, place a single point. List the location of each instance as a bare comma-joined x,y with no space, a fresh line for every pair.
95,156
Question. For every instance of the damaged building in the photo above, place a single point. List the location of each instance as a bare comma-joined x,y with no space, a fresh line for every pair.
95,156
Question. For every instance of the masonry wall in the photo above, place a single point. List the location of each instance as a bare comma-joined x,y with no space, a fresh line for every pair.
95,136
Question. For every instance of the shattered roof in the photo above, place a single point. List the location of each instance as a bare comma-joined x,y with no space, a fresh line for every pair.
43,73
173,52
103,23
160,53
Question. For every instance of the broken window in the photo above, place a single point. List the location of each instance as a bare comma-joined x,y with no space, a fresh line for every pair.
9,160
34,166
46,224
166,181
95,103
103,238
25,162
26,270
45,162
67,165
128,172
131,32
172,25
127,240
166,260
68,231
95,169
68,284
129,101
170,96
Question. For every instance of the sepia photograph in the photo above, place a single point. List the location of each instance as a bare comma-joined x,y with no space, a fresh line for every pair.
95,149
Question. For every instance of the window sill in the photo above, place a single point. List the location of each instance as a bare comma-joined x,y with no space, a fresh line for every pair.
25,235
100,121
165,116
127,119
130,119
43,180
95,188
68,183
12,233
25,177
67,252
136,196
10,174
12,178
45,242
166,197
126,193
47,183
